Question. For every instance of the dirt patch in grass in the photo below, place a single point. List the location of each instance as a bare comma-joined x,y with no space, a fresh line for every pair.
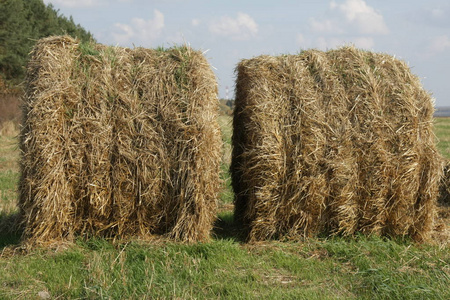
9,153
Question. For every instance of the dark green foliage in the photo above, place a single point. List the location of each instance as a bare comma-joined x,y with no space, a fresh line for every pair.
22,23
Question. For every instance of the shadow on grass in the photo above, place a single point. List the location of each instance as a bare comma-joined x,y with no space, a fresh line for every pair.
10,233
226,229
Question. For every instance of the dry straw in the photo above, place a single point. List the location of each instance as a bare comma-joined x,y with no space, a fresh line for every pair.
444,187
339,141
118,142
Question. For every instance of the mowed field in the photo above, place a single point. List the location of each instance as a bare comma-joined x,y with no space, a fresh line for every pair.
226,267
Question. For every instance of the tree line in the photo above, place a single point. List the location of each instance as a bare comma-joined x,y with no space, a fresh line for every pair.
22,23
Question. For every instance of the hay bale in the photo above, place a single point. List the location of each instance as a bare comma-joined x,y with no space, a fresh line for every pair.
444,186
338,141
118,142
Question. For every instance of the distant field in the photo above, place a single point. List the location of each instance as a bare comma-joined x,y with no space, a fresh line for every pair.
442,111
442,131
224,268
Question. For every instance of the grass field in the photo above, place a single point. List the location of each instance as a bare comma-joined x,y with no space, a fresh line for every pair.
442,131
224,268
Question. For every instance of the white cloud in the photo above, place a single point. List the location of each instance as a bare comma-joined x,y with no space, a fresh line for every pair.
325,26
437,13
351,16
437,16
439,44
240,28
195,22
139,30
364,42
430,15
74,3
300,39
325,43
366,18
177,38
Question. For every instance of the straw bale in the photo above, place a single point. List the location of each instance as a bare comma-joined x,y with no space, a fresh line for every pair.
118,142
444,186
338,141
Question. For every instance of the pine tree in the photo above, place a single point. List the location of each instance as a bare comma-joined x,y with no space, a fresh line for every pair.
13,33
22,23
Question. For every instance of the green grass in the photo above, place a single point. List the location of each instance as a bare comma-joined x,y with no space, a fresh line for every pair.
224,268
88,49
227,194
9,175
359,268
442,131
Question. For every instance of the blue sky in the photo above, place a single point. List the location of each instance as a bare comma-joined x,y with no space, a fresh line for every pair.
228,31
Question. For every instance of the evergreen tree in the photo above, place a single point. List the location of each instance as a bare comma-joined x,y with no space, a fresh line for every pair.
13,31
22,23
